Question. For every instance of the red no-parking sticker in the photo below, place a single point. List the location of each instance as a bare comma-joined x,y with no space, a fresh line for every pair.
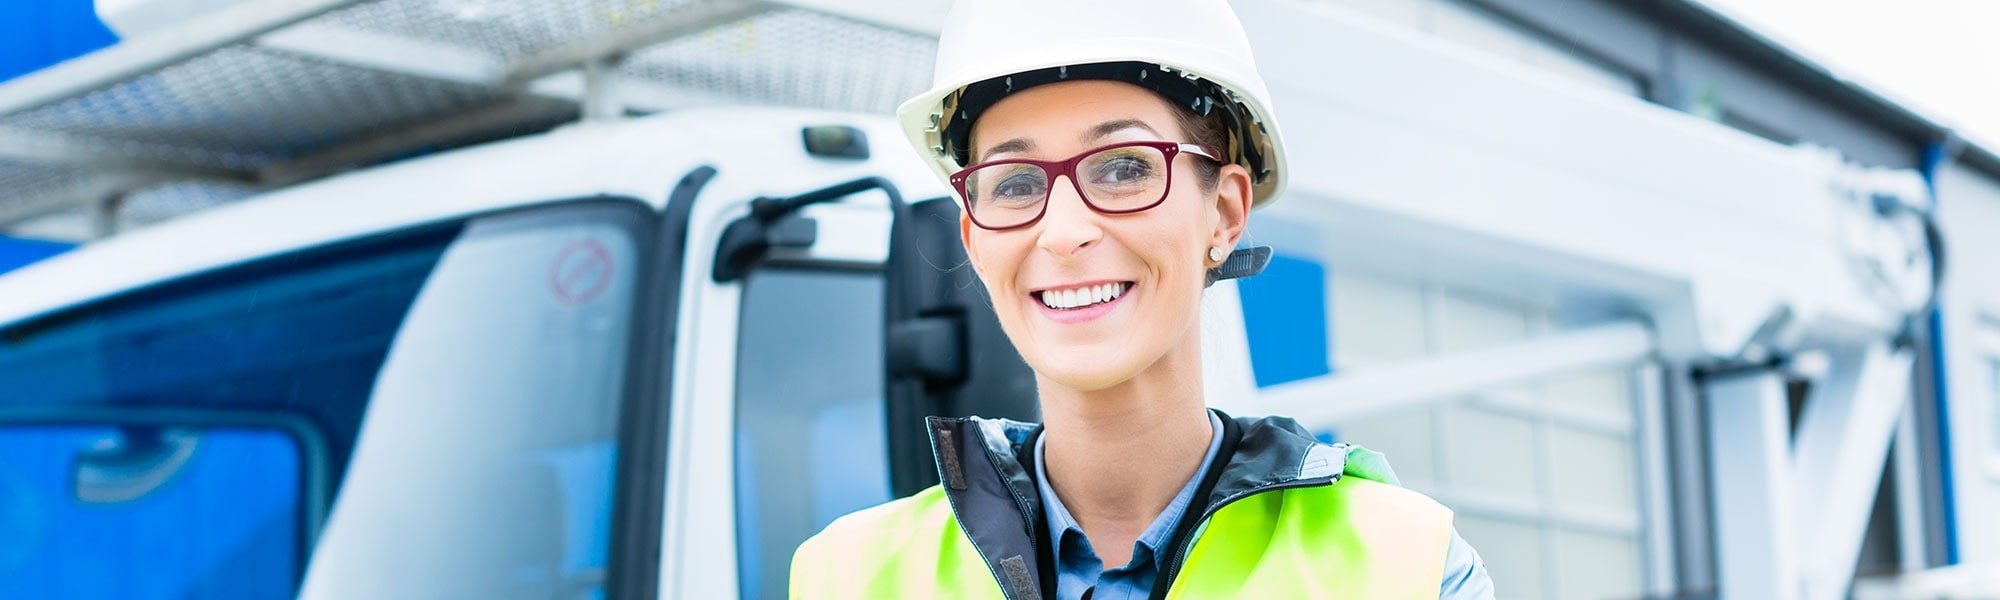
581,272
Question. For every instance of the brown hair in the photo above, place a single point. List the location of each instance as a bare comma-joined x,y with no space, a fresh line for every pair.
1209,131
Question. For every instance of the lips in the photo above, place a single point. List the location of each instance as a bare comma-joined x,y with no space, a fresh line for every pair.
1083,296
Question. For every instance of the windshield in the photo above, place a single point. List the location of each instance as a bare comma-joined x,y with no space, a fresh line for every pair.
430,413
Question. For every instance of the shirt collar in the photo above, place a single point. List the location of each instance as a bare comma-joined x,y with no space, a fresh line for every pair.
1062,525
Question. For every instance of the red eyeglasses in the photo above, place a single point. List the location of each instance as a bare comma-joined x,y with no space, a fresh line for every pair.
1117,179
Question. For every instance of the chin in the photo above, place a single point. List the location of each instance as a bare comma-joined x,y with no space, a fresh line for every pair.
1085,369
1084,381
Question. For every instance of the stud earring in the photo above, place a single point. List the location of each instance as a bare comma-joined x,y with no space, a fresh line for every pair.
1215,253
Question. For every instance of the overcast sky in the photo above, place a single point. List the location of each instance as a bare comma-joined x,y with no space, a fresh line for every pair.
1939,57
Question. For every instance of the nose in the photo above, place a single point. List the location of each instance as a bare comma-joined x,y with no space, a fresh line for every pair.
1068,226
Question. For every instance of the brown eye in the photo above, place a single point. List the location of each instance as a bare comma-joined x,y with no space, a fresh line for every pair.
1124,170
1021,187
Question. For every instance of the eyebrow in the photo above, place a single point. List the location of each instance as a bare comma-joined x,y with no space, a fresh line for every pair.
1013,145
1110,127
1095,133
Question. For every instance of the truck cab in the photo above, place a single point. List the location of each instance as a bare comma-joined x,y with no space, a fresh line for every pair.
629,359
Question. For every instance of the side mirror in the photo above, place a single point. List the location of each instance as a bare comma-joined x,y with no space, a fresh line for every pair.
946,353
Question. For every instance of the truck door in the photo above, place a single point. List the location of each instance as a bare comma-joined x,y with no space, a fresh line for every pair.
777,423
810,349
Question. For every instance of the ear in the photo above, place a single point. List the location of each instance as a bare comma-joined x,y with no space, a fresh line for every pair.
1232,206
965,238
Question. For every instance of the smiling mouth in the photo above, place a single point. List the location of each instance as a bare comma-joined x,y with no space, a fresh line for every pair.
1082,297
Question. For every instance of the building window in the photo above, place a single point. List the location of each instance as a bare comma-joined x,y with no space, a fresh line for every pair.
1993,383
1989,353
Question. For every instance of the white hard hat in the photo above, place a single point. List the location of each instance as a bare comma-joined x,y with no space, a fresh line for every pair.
1193,52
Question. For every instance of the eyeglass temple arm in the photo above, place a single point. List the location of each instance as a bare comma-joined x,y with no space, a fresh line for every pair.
1199,150
1241,263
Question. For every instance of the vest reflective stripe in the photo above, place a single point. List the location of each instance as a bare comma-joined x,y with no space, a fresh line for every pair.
1353,539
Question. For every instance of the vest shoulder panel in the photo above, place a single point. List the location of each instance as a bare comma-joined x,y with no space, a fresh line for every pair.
906,548
1355,538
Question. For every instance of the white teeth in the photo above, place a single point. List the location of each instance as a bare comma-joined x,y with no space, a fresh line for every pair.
1084,296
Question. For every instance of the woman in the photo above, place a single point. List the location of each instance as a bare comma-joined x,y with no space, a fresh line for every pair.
1106,156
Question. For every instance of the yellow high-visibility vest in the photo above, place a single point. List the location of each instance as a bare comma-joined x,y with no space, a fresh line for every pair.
1351,538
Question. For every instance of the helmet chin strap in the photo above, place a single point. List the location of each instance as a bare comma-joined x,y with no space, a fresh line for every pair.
1243,262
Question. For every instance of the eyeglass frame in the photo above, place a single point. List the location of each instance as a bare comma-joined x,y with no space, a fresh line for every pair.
1066,168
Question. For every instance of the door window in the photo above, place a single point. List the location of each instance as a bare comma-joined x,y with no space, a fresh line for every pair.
810,439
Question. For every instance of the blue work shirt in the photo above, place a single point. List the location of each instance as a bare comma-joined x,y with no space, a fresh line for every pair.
1079,570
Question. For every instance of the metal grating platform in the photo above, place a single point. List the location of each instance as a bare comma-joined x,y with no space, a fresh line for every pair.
273,92
795,58
16,177
502,29
246,108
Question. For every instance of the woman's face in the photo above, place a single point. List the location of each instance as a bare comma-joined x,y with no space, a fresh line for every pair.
1156,260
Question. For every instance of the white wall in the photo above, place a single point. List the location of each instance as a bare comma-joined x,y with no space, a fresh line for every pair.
1464,24
1543,477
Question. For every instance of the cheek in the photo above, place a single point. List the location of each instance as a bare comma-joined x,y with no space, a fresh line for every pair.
1173,249
995,258
1176,240
1185,249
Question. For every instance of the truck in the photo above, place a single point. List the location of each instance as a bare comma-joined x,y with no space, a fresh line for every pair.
647,356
